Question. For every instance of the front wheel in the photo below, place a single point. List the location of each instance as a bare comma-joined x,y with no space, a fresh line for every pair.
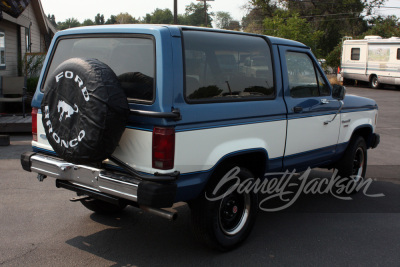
224,215
353,165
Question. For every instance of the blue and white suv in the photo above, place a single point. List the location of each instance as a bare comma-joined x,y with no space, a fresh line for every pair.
151,115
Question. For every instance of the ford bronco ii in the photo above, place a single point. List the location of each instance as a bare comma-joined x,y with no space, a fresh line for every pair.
151,115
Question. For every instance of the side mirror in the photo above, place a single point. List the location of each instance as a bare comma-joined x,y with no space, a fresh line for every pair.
338,92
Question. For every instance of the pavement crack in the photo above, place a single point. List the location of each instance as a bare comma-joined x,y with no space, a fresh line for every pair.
19,256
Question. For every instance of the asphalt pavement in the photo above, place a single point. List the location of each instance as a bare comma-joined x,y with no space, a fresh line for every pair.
40,227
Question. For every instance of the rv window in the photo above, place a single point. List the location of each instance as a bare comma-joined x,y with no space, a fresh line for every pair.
2,51
398,53
355,54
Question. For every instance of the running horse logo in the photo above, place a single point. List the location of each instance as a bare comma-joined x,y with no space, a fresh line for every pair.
66,109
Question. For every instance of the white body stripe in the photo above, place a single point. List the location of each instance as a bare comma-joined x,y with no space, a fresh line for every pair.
200,150
356,119
305,134
208,146
135,149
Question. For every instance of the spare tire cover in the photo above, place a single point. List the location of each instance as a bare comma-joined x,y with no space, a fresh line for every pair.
84,110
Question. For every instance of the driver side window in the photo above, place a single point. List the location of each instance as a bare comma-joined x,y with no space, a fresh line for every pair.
304,79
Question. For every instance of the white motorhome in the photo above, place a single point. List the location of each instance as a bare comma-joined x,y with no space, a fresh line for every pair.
373,59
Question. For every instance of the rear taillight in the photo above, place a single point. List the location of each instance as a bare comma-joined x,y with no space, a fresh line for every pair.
163,148
34,124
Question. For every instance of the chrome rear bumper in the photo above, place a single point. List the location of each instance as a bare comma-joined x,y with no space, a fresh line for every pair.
148,193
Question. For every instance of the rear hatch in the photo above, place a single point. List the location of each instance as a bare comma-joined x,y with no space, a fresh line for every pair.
129,53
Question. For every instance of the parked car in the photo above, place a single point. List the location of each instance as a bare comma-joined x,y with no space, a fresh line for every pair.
150,115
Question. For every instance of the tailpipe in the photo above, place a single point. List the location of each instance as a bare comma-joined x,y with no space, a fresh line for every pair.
169,215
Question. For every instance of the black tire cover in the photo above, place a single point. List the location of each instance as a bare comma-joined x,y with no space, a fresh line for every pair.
84,110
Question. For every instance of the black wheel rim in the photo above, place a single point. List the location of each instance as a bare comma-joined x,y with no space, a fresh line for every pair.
358,163
234,212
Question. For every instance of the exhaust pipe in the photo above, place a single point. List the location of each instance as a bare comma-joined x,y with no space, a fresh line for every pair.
169,215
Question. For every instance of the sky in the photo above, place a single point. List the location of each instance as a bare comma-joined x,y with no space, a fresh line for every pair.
84,9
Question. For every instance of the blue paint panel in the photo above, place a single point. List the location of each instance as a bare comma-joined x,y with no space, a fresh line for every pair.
314,158
274,165
150,129
190,185
358,103
237,122
340,149
37,149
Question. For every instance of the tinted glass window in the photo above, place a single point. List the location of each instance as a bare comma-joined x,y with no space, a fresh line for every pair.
355,54
324,89
132,60
301,74
221,66
398,53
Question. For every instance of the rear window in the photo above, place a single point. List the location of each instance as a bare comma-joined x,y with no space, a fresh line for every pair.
227,67
132,60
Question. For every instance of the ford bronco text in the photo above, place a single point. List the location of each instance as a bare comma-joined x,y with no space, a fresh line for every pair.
151,115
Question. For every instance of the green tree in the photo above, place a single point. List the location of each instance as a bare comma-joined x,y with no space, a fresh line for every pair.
234,25
125,18
385,27
195,16
68,23
160,16
146,19
52,19
334,18
223,19
99,19
258,10
112,20
333,58
87,22
293,27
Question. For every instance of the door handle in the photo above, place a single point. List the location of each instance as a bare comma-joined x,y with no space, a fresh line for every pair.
297,109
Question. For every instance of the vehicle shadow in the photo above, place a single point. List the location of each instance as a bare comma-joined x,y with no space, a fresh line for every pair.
313,222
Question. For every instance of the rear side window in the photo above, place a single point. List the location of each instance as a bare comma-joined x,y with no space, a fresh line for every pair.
132,60
355,54
398,53
227,67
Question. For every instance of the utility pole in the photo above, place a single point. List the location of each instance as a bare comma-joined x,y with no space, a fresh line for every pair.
205,11
175,12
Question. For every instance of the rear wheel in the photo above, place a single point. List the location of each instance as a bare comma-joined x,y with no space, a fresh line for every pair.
222,217
374,83
102,207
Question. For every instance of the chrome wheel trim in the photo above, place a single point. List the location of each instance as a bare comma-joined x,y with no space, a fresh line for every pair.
358,163
244,215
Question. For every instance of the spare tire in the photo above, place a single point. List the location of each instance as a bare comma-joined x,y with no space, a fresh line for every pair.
85,110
